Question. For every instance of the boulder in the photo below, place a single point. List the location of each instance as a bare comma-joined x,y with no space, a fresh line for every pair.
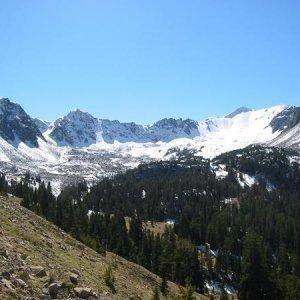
6,275
24,275
84,292
17,282
74,278
54,289
38,271
4,253
75,271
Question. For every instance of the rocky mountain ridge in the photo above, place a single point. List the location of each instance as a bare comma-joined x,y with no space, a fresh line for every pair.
80,146
80,129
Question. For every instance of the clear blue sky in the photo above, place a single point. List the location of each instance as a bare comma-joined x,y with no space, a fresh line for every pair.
143,60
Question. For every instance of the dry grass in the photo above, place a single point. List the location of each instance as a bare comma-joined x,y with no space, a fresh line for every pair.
156,227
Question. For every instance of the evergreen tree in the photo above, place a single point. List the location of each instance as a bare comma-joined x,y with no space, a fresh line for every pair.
256,282
164,285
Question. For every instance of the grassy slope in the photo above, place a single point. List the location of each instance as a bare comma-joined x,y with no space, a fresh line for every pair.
33,241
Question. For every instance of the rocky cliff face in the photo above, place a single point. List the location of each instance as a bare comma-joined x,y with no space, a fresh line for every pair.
76,129
169,129
16,126
286,119
80,129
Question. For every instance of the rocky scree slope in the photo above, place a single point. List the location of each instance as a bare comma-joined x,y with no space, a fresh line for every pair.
40,261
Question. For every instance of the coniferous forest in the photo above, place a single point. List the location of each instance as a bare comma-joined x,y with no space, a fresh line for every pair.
251,233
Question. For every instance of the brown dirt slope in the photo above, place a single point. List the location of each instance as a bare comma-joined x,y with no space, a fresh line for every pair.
37,260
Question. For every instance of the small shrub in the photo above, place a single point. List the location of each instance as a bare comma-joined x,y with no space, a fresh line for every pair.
110,279
187,293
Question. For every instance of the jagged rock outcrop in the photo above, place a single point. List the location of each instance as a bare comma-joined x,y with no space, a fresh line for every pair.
16,126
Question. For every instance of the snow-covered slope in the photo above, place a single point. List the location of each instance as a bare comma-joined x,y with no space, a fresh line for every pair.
80,145
288,139
238,111
220,135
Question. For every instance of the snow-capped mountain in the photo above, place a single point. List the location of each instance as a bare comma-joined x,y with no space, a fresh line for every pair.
16,126
167,130
238,111
76,129
80,145
80,129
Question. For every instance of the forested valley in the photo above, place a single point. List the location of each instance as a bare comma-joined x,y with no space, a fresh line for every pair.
221,230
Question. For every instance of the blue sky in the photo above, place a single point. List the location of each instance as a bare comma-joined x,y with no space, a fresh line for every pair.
144,60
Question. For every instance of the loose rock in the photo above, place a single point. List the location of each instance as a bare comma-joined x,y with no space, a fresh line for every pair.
39,271
6,275
75,271
17,282
74,278
84,292
54,289
24,275
6,283
4,253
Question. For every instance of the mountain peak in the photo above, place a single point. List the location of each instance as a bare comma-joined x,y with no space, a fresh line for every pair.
16,125
238,111
77,128
78,112
6,103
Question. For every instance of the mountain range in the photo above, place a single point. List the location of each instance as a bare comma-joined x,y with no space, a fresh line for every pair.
80,146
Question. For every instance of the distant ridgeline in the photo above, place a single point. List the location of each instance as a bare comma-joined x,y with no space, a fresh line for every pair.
243,204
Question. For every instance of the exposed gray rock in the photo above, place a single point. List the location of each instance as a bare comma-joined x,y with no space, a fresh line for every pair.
16,126
38,271
4,252
85,292
238,111
78,129
24,275
54,289
75,271
17,282
6,275
74,278
286,119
